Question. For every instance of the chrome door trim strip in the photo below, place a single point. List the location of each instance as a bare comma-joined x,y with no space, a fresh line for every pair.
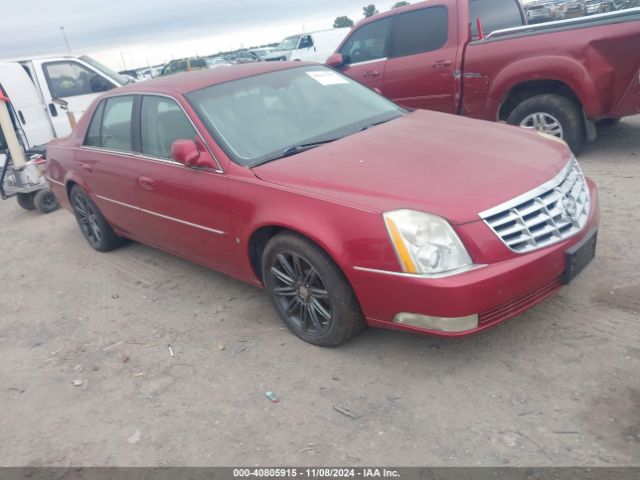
55,181
367,62
166,217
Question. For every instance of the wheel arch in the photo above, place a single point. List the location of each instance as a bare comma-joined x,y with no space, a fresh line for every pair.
523,91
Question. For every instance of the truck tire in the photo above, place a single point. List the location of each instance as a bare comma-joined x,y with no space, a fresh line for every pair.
26,201
45,201
552,114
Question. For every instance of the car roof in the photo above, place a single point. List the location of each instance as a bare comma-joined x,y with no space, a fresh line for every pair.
186,82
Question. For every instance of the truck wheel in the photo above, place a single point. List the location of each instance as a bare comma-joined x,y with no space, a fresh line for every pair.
92,224
45,201
552,114
309,292
26,201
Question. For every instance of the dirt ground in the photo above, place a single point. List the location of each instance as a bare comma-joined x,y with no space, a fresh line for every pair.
559,385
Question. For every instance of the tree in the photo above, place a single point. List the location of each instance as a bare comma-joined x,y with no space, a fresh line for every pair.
343,22
400,4
369,11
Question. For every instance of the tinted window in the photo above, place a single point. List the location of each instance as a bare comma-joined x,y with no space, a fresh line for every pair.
93,134
198,63
115,133
182,66
367,43
306,42
69,79
420,31
163,122
494,15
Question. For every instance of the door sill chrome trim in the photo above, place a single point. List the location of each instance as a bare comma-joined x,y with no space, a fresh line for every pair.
156,214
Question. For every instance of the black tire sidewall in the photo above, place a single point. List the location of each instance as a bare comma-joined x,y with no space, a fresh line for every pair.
26,201
347,318
563,109
108,240
42,201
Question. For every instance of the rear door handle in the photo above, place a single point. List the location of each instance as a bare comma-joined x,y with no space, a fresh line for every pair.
86,167
372,74
442,64
147,183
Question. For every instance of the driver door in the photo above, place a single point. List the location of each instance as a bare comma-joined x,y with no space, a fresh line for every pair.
72,81
365,53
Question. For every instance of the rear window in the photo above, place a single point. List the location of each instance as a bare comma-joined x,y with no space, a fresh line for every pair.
420,31
110,126
494,15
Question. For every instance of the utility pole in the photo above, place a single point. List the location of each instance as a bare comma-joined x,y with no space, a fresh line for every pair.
66,41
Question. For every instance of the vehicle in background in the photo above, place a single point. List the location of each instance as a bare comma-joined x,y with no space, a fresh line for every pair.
151,72
575,9
184,65
239,58
540,11
594,7
555,77
261,52
313,47
217,62
318,46
50,94
346,208
284,50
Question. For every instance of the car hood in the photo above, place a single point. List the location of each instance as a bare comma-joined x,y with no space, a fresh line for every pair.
442,164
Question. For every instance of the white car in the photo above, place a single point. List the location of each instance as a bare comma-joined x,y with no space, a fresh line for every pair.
309,47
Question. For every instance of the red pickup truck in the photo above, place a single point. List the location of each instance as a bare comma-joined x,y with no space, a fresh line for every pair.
478,58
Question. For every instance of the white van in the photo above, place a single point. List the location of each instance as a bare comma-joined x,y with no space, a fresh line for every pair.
37,88
309,47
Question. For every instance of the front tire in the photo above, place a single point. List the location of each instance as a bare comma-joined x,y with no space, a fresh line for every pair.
93,225
552,114
309,292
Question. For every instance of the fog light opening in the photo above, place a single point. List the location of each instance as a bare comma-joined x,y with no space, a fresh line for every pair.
442,324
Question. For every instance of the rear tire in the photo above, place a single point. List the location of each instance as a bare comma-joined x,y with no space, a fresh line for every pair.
45,201
93,225
309,292
555,115
26,200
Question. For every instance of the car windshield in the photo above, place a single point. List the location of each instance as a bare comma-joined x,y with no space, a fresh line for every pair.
268,116
289,43
106,70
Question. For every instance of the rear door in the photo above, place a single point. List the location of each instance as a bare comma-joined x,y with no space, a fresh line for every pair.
107,163
74,82
420,71
26,100
365,53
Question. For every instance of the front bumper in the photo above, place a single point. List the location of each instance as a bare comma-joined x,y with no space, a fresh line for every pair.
495,292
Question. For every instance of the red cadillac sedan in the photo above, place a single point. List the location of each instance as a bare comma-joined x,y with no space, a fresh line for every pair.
346,208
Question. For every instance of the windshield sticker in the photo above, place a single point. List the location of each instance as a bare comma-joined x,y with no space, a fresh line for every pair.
327,78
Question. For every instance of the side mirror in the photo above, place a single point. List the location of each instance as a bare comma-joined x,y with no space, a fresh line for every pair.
188,153
335,61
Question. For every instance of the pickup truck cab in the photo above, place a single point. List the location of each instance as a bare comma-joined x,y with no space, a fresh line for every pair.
38,88
478,58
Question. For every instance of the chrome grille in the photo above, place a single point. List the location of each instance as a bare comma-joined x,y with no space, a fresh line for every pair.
546,215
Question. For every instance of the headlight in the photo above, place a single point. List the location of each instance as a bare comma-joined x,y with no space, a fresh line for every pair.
425,244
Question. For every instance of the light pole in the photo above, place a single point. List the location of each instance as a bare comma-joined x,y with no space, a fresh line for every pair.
66,41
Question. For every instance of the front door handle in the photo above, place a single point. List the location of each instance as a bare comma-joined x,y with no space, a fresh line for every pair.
442,64
146,183
86,167
372,74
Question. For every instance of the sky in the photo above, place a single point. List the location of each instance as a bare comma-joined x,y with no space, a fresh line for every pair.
136,33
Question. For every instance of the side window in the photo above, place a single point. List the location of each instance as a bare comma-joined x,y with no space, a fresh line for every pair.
198,63
115,133
93,133
306,42
163,122
70,79
182,66
420,31
494,15
367,43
